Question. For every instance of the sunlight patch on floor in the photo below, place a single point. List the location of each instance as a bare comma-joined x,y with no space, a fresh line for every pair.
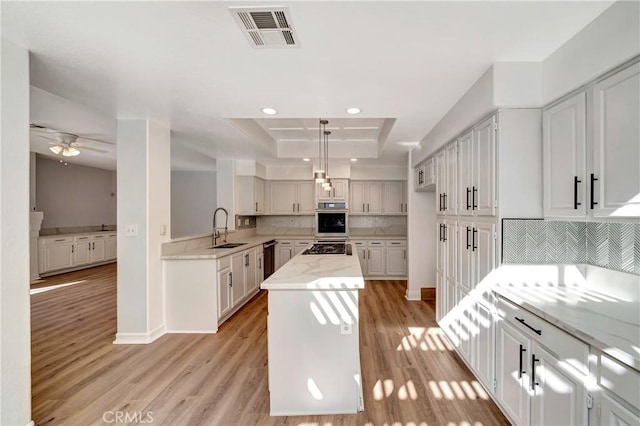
54,287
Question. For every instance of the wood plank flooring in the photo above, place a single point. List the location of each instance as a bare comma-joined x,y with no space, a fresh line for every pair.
410,375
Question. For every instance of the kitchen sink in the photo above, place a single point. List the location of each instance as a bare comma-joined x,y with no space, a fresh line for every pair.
228,245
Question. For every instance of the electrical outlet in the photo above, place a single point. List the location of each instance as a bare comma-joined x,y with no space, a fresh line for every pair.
246,221
345,327
292,221
131,231
239,223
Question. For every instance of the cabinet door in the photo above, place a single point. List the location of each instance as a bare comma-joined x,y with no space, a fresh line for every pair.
441,249
283,197
300,246
82,251
612,413
259,195
464,320
396,261
441,180
418,177
58,255
484,251
250,271
441,296
98,249
237,278
357,197
260,268
340,191
513,351
375,261
286,253
484,160
111,248
616,144
451,297
393,197
429,177
564,150
559,397
451,267
484,342
224,292
450,201
306,197
465,255
374,197
465,168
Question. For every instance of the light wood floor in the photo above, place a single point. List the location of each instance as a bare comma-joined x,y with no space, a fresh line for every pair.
409,374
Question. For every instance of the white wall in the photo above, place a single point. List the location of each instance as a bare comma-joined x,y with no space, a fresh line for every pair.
378,173
421,239
292,173
74,195
193,201
15,320
225,190
610,39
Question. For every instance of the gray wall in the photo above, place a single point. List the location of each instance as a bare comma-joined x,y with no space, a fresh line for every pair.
74,195
193,201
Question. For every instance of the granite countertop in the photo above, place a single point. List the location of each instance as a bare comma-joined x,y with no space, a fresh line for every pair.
211,253
317,272
598,306
77,234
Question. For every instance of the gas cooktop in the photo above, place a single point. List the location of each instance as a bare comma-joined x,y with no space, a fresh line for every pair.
329,248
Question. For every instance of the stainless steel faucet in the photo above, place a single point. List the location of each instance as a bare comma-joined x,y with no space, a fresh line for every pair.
216,229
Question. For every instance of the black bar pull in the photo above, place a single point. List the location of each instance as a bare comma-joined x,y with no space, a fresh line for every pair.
230,279
522,321
473,199
576,181
593,179
473,243
445,201
533,372
444,233
468,193
468,245
440,201
520,371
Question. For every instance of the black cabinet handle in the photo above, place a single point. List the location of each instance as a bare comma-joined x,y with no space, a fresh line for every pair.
256,206
71,248
439,232
520,368
593,179
576,181
294,207
93,246
445,201
468,193
444,233
473,198
468,230
246,260
522,321
473,244
230,279
533,372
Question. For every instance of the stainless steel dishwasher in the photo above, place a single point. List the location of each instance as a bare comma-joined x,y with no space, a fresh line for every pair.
269,249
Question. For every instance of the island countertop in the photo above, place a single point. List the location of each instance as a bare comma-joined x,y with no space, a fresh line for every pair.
318,272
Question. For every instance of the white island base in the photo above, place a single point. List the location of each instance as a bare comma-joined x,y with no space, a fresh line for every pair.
313,339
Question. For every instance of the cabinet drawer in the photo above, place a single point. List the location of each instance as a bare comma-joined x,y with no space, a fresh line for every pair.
376,244
396,243
286,243
301,243
224,262
619,379
560,343
47,241
84,238
359,243
98,237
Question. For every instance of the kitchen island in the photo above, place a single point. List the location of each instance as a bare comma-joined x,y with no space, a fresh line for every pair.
313,336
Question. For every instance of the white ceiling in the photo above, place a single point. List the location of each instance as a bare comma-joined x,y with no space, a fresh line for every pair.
190,67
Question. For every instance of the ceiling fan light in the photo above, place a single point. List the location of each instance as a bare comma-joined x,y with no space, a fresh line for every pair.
56,149
70,151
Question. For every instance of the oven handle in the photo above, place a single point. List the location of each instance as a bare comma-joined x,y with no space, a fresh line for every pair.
269,244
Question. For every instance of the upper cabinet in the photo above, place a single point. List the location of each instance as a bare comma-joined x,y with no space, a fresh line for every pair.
375,197
424,175
250,195
395,197
292,197
338,193
446,169
591,150
483,192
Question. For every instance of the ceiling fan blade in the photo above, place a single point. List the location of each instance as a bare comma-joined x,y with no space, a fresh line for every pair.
87,148
95,140
46,137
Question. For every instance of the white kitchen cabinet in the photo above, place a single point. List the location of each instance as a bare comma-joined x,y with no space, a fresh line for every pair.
375,258
250,271
564,158
465,174
441,180
225,297
250,195
429,177
366,197
396,258
284,252
450,196
395,197
260,267
451,264
338,193
483,194
613,413
361,248
111,247
418,177
98,248
238,290
591,150
484,345
513,351
300,245
477,252
82,250
292,197
56,253
441,257
616,145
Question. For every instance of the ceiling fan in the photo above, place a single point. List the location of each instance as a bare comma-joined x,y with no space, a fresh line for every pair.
65,143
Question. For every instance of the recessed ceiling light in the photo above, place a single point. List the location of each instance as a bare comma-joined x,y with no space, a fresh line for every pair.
353,110
269,111
306,159
354,159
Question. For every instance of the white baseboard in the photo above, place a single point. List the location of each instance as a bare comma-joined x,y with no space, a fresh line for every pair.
31,423
139,338
413,294
191,331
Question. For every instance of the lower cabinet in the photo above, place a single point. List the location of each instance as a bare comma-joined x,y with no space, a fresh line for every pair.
111,247
396,258
239,277
75,252
300,245
376,258
224,287
56,253
380,258
284,252
613,413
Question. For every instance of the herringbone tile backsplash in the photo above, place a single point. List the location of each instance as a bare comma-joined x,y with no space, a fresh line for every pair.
610,245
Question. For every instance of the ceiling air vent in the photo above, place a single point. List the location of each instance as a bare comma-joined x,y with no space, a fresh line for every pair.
266,27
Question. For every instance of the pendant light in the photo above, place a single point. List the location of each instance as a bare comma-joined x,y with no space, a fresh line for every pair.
320,174
327,181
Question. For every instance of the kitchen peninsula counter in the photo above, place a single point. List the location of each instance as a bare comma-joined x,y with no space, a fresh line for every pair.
313,336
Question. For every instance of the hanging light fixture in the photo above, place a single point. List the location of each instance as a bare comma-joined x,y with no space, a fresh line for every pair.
327,181
70,151
56,149
319,175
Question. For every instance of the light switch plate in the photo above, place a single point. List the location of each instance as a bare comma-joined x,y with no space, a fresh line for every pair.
163,230
131,231
345,327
